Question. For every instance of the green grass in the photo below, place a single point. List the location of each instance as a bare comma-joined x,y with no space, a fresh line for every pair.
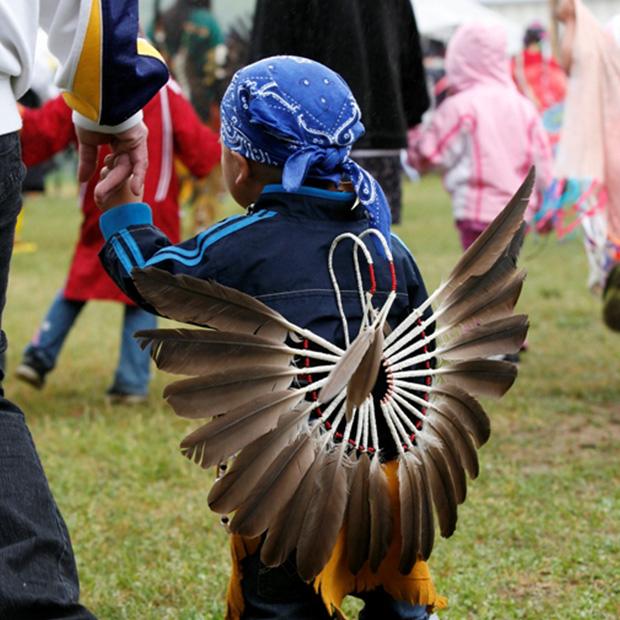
539,536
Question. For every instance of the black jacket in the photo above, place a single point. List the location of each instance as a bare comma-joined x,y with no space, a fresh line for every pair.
373,44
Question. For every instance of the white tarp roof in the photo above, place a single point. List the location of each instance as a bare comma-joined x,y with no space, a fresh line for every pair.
439,19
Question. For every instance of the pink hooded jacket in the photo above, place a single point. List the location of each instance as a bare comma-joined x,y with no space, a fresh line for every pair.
484,137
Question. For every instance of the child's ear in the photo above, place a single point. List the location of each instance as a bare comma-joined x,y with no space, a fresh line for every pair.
242,167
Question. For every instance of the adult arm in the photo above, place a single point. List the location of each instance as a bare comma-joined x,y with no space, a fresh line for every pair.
108,75
413,77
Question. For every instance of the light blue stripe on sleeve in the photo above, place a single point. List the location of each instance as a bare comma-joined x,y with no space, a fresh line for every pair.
133,247
244,222
190,253
122,255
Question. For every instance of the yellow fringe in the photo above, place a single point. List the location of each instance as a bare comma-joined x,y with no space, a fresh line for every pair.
336,582
239,548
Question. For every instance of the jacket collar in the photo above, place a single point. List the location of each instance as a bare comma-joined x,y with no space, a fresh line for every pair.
310,202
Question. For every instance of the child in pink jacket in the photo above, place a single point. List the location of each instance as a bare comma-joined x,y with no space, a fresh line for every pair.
485,136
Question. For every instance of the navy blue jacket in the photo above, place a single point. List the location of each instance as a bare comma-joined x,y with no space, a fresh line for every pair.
277,252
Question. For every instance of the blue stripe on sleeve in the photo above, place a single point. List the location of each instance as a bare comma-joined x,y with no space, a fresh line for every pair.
122,255
133,248
132,214
243,222
191,253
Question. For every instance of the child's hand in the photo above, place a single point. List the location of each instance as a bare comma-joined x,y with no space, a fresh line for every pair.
116,164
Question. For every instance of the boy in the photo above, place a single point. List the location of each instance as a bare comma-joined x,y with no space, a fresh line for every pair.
288,125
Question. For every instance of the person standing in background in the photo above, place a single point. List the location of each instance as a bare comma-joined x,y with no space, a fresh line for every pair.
375,46
107,78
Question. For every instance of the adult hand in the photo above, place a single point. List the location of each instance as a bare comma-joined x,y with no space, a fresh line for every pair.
132,142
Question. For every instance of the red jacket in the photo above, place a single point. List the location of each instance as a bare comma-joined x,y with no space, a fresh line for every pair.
174,131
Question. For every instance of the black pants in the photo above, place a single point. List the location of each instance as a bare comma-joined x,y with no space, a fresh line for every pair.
38,576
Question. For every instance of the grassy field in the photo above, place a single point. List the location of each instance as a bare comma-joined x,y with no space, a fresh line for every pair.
539,536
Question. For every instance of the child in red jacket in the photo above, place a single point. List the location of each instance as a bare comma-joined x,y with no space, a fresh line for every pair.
174,131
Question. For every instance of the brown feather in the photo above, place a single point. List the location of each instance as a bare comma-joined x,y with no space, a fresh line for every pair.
324,516
201,351
427,522
460,407
207,303
234,487
478,296
224,436
274,489
455,433
213,395
441,489
411,502
448,453
481,377
365,376
495,240
283,535
380,515
346,366
495,338
358,515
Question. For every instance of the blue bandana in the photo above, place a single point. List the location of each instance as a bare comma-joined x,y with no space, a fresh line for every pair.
299,115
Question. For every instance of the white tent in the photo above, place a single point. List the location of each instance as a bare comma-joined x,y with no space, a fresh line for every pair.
439,19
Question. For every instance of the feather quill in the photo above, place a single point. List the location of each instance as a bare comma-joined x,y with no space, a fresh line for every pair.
346,366
274,489
365,376
204,302
224,436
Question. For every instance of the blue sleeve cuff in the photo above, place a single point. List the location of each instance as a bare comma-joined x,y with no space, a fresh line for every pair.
119,218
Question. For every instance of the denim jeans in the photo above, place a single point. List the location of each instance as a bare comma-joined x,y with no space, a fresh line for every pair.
281,594
38,577
133,370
